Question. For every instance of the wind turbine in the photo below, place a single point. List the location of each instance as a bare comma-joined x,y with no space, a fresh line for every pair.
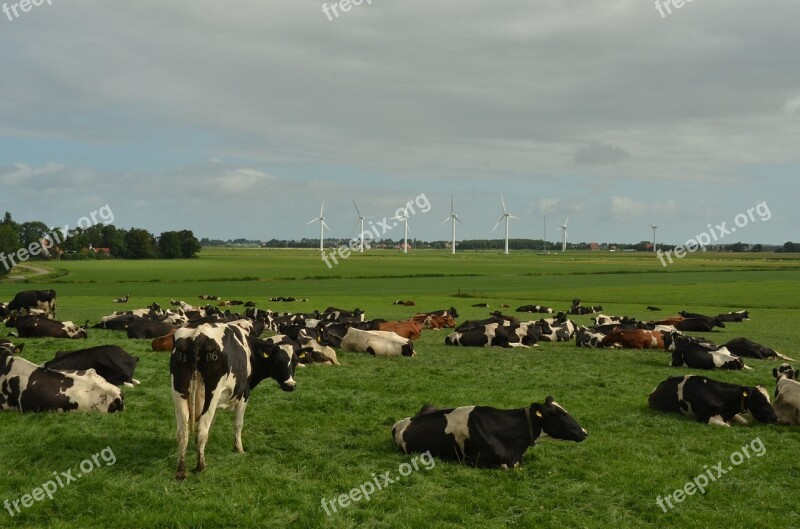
454,218
361,218
404,218
507,217
322,227
654,235
563,228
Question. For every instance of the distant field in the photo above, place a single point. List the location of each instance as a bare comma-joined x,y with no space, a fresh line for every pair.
333,433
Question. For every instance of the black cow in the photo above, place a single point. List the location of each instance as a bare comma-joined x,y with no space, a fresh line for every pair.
692,322
484,437
41,327
650,307
698,354
217,366
698,325
751,349
143,328
4,312
27,300
711,401
111,362
735,316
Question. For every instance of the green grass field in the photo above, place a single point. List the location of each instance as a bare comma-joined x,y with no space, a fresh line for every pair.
333,433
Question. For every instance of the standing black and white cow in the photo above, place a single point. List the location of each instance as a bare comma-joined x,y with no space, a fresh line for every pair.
25,301
787,395
217,366
111,362
482,436
26,387
711,401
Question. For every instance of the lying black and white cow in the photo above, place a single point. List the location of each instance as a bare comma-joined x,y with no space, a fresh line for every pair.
734,316
217,366
485,437
123,299
378,343
751,349
309,352
699,354
535,308
559,329
787,395
111,362
26,387
698,322
25,301
491,335
143,328
711,401
41,327
586,337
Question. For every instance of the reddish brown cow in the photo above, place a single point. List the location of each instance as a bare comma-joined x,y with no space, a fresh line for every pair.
406,329
164,343
672,320
432,321
635,339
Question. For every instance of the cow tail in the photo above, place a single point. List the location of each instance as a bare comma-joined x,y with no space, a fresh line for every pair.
194,382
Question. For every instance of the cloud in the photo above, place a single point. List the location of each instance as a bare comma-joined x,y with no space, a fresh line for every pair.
626,208
792,106
600,154
22,172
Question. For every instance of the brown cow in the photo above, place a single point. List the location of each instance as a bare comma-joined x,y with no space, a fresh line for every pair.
635,339
672,320
433,321
406,303
406,329
164,343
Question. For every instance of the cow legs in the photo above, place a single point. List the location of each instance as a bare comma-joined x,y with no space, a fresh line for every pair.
739,419
238,423
716,420
182,421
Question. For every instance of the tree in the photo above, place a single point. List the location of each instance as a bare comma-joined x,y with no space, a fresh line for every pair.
9,243
791,247
190,246
114,239
169,245
139,244
32,232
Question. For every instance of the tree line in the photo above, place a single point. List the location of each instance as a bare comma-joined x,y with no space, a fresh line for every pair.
78,243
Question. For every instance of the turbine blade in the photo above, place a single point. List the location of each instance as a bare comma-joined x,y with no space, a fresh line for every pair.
358,212
445,220
513,217
451,203
312,220
459,220
504,203
325,225
566,222
321,208
498,223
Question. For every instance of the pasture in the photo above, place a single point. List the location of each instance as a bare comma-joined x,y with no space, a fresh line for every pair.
334,432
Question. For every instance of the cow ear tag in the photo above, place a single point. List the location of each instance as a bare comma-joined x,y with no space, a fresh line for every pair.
744,394
266,355
539,414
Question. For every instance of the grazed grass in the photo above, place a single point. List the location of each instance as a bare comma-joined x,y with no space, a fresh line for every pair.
333,433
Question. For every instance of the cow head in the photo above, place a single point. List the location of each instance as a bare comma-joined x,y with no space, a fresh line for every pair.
756,401
556,423
276,361
718,322
785,370
453,312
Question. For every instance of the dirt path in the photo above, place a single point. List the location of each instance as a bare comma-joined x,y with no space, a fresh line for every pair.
36,272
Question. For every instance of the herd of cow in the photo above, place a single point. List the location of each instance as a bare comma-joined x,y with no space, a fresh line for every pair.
218,358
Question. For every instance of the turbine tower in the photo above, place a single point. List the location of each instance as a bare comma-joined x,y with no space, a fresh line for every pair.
454,218
507,217
563,228
322,226
361,218
654,235
404,218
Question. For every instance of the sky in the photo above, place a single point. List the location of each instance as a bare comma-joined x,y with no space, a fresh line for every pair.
237,119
